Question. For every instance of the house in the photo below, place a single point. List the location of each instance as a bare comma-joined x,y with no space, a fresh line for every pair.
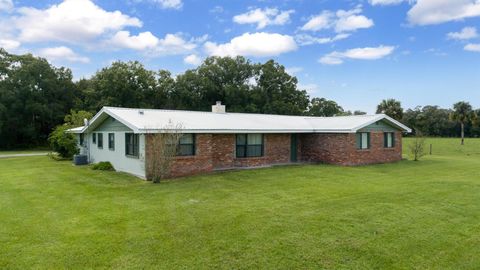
219,140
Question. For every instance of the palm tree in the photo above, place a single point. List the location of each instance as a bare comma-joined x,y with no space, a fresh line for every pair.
391,107
463,113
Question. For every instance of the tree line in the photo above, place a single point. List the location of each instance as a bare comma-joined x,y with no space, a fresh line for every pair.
36,96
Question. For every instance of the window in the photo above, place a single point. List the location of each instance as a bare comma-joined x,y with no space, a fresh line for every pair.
94,138
389,139
363,140
100,140
81,138
131,144
111,141
186,145
249,145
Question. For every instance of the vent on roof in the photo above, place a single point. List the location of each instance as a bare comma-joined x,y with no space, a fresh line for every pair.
218,108
141,112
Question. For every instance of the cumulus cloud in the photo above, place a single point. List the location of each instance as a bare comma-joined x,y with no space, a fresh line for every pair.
309,40
367,53
141,41
9,44
169,4
71,21
192,59
340,21
472,47
385,2
466,33
6,5
426,12
62,53
264,17
256,44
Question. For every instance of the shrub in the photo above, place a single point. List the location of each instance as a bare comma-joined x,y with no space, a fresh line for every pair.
62,142
417,147
103,166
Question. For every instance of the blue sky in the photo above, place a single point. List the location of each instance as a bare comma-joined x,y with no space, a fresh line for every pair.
356,52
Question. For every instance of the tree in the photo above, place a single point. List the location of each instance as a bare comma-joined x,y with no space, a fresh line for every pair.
122,84
62,142
417,147
276,92
76,118
391,107
324,107
35,96
162,151
463,113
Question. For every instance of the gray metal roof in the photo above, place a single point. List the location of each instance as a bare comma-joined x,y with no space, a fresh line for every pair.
154,121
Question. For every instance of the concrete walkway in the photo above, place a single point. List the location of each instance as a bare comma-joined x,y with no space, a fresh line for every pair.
23,155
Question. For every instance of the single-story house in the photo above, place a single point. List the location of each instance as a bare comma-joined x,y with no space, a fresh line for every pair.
220,140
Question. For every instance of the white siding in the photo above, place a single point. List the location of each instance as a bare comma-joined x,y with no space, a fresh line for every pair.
117,157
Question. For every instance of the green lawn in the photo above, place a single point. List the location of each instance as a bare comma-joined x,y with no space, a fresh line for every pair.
407,215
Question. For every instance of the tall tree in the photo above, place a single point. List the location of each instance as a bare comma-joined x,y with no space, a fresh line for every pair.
276,92
463,113
34,98
324,107
391,107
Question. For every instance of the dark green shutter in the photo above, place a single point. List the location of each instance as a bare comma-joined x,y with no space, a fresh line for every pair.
393,139
359,140
385,139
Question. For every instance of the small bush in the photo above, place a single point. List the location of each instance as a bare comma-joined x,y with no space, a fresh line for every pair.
62,142
103,166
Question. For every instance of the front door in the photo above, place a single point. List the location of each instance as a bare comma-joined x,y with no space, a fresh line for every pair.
293,147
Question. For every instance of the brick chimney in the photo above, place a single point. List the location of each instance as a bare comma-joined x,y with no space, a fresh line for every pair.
218,108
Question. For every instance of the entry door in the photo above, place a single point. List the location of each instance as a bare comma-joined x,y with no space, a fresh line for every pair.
293,147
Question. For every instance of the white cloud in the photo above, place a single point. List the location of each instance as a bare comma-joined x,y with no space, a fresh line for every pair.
173,44
319,22
257,44
385,2
9,44
367,53
466,33
308,39
472,47
6,5
426,12
71,21
62,53
142,41
311,88
293,70
341,21
264,17
166,4
192,59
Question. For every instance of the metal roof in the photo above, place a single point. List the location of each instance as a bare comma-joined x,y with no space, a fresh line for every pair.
154,121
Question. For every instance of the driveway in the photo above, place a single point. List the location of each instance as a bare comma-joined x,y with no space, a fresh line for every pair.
23,155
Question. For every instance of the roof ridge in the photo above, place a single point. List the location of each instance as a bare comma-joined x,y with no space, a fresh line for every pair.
242,113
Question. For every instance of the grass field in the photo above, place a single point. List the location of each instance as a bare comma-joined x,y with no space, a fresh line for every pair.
407,215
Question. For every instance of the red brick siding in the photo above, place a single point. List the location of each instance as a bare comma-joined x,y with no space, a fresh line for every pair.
217,151
341,149
276,151
201,162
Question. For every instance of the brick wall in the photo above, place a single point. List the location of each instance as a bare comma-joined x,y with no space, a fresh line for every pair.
341,149
217,151
276,151
201,162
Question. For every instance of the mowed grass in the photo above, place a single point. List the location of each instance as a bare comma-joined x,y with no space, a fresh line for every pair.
406,215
